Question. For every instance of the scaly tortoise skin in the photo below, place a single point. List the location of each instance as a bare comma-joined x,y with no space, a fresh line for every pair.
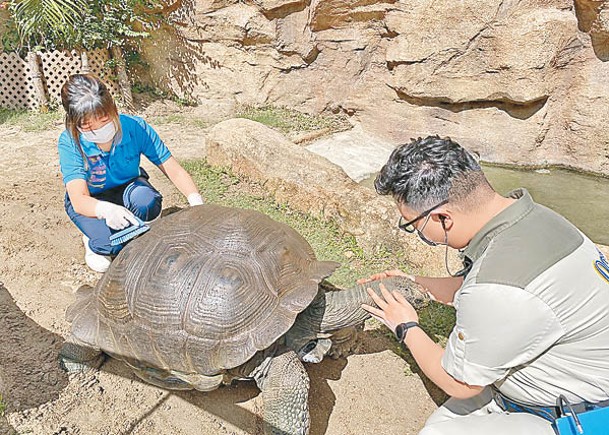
211,294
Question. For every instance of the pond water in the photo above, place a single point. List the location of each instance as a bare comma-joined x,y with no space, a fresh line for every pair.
581,198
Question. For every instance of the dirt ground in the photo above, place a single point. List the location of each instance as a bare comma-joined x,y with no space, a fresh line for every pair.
42,264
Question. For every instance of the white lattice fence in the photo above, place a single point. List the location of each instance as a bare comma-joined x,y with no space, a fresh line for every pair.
16,84
17,88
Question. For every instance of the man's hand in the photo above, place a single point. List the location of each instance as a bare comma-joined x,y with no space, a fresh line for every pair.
393,308
116,216
385,274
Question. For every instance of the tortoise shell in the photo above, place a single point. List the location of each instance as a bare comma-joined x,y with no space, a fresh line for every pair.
202,291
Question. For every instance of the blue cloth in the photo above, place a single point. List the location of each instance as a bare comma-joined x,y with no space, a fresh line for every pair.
593,422
106,170
139,196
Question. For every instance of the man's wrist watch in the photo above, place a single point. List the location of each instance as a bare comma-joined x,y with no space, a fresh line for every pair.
402,329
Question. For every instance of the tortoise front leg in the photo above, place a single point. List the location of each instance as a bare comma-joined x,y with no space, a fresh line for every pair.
284,383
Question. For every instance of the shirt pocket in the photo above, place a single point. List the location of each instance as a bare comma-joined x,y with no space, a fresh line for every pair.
454,361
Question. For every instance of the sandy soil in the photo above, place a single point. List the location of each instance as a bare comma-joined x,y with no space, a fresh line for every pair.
41,265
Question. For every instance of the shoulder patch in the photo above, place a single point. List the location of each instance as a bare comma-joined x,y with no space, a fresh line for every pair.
521,252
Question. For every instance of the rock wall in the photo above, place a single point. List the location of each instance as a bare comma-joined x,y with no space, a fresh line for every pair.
518,81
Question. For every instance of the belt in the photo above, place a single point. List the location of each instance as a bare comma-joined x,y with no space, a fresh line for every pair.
549,413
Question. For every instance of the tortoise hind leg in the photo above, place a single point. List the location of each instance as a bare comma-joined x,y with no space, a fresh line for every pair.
284,383
77,358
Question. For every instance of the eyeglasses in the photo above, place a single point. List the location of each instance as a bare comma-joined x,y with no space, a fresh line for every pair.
409,226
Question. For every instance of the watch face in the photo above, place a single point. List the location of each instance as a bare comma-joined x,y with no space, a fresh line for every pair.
400,331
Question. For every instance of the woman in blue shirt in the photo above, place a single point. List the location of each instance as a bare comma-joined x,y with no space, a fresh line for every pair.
99,156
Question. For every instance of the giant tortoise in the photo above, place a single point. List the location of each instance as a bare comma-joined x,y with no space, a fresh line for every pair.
211,294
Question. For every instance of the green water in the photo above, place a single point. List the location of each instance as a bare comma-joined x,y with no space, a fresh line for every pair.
581,198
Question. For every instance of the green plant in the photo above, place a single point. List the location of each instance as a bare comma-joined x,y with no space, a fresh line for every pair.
156,93
77,24
114,22
438,321
141,88
183,101
133,58
47,23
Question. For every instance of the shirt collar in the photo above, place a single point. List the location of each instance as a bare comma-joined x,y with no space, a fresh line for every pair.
90,148
505,219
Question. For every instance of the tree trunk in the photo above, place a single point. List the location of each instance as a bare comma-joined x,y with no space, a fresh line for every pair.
36,76
123,80
84,63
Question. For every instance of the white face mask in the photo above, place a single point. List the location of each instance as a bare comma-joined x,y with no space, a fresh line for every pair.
102,135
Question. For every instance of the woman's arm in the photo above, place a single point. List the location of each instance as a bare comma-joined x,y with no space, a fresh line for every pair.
181,180
82,201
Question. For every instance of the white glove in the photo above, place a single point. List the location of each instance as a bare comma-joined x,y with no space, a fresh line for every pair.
194,199
116,217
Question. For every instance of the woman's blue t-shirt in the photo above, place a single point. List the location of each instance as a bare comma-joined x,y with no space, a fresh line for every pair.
120,165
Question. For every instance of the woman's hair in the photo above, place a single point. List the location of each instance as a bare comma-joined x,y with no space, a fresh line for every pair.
84,96
427,171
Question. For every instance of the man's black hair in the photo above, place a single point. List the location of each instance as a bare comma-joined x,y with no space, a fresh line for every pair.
427,171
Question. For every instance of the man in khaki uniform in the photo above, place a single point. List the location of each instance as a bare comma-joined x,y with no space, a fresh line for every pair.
532,302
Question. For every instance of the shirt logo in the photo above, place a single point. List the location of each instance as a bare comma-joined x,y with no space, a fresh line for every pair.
97,172
602,267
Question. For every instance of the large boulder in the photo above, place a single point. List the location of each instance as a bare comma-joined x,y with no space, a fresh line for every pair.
294,36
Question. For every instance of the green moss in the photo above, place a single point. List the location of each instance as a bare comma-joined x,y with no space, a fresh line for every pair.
2,406
287,120
213,182
31,121
438,320
176,118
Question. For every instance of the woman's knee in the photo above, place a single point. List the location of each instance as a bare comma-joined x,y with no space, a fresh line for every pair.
143,200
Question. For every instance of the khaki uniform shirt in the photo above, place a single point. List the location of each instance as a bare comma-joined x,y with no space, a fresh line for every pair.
533,312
